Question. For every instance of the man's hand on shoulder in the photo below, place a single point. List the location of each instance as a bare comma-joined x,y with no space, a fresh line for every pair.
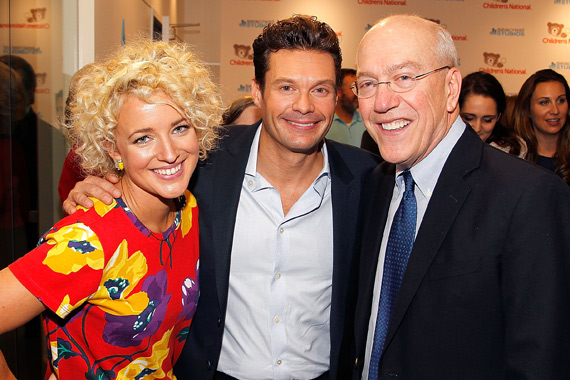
101,188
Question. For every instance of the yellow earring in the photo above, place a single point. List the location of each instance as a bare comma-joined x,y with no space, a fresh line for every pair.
119,165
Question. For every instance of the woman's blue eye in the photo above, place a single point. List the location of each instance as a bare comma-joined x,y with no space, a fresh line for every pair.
181,128
142,140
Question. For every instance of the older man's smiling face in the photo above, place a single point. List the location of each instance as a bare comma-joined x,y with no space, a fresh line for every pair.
406,126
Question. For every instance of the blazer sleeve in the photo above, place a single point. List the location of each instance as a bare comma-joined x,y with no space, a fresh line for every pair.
536,283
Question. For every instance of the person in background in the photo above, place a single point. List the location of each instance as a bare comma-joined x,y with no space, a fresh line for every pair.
465,255
347,126
25,133
242,111
541,119
118,284
278,221
507,116
482,102
14,186
71,172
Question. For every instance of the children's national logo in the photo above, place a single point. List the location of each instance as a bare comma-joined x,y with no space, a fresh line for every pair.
41,78
504,4
558,34
494,60
36,15
245,55
495,64
242,51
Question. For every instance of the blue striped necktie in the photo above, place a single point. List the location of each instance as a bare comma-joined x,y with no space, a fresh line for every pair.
400,243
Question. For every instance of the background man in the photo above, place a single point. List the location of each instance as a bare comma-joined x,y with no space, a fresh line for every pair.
347,126
464,273
278,221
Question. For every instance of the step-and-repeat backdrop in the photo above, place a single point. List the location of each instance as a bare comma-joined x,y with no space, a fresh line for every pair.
511,39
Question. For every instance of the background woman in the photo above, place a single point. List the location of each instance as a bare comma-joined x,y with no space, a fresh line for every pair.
242,111
119,283
541,119
482,102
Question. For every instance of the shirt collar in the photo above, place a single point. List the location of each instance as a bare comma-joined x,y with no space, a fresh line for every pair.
356,117
320,182
427,171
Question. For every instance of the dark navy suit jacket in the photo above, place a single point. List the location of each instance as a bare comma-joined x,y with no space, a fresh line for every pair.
486,291
217,185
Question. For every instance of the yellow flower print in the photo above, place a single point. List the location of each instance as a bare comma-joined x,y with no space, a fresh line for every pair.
120,276
100,207
65,308
187,213
150,367
74,247
54,356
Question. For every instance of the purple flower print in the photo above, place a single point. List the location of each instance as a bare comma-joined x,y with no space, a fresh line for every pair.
131,330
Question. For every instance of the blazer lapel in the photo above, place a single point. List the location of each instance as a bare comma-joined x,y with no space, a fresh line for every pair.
377,196
227,180
345,208
449,195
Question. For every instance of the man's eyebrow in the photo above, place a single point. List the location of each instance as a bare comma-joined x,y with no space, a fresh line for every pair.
392,69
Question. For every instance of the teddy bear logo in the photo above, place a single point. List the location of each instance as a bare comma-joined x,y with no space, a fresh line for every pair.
242,51
494,60
557,30
41,78
36,15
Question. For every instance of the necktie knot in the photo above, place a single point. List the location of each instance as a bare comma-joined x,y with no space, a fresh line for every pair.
408,181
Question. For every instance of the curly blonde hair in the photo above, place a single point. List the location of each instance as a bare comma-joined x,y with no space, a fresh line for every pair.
141,69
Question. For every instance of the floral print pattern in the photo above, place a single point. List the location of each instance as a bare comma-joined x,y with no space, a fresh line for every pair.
122,299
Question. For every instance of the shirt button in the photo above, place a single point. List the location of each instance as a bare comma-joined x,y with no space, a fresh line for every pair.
276,320
279,361
250,183
278,276
281,230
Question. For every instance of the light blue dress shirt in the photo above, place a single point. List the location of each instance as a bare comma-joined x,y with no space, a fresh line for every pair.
425,174
278,312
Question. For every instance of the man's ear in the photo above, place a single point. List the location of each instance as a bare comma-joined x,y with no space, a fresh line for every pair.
256,93
453,82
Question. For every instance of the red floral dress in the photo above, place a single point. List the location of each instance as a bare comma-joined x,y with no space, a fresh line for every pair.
120,298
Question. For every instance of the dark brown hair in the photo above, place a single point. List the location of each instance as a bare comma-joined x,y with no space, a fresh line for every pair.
298,32
524,127
485,84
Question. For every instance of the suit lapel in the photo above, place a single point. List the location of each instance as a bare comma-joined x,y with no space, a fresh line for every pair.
227,181
449,195
378,194
345,208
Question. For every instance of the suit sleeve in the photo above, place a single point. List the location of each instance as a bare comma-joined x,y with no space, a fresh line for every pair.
535,283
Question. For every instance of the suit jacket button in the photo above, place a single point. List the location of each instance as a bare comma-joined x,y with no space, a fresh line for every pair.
209,365
356,362
219,322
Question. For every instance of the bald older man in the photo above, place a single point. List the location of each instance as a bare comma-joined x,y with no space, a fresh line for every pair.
464,264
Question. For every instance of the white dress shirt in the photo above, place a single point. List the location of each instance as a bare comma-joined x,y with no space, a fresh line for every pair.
278,312
425,174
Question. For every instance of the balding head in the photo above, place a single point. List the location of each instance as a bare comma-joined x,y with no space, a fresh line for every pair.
411,114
